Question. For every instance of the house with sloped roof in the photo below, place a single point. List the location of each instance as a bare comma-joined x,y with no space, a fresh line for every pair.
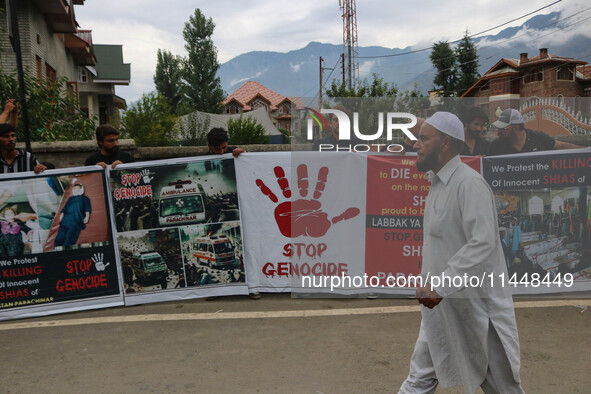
252,95
551,90
97,83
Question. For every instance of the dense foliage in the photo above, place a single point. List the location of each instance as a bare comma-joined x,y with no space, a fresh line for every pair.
149,121
246,131
52,115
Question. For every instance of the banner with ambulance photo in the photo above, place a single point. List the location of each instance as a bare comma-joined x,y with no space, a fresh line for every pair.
178,229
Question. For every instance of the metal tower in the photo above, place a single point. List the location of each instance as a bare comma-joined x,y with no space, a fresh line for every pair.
350,47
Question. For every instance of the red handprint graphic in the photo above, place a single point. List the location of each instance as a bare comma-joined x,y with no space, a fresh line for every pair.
302,216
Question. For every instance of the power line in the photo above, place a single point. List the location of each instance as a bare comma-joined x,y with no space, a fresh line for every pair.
543,35
473,35
500,42
327,78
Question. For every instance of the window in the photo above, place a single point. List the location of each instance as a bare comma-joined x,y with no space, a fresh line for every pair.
82,75
50,73
233,109
499,86
72,93
284,109
557,204
536,206
38,68
534,75
258,103
565,73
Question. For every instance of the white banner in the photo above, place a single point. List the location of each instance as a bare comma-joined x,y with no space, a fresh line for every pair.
305,216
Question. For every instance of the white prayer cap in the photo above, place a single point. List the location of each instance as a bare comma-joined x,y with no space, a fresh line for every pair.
447,123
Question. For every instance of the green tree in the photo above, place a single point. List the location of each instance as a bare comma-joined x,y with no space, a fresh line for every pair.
286,137
150,121
369,99
377,88
193,129
246,131
412,101
467,64
52,115
168,78
443,58
202,85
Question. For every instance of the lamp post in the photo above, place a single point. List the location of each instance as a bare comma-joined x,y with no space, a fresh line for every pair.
14,36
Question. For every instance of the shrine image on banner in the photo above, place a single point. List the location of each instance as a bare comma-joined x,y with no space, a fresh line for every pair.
56,246
178,229
544,207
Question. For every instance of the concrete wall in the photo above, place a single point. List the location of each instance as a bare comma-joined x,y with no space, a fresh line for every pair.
73,154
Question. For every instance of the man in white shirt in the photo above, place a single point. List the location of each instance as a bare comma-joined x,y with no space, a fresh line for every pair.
468,335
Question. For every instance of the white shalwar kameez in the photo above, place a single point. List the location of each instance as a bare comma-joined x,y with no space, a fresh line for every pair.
471,335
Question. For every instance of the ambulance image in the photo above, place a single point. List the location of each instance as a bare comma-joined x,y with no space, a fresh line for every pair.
181,202
215,251
149,268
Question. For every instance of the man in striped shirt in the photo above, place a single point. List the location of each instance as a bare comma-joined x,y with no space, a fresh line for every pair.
13,159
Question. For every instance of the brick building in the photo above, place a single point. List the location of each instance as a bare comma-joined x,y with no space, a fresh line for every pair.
551,90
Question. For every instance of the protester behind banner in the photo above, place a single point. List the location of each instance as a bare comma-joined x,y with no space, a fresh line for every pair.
513,137
217,143
107,138
13,159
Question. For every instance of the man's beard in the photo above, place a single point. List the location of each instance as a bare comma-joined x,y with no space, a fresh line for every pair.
113,150
474,133
428,162
504,136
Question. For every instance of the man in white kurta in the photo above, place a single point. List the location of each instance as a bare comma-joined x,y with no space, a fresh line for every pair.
468,335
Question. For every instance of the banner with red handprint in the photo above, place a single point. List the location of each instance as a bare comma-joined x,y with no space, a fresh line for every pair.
304,217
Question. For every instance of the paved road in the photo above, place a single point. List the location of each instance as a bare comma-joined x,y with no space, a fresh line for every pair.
273,345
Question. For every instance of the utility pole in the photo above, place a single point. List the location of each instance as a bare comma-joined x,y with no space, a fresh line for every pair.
343,68
15,41
320,86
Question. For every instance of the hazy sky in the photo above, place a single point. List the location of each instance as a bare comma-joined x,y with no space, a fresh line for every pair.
143,26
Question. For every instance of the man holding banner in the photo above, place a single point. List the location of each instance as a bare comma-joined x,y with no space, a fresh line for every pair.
468,335
13,159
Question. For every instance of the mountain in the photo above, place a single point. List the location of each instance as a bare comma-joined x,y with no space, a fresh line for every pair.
295,73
